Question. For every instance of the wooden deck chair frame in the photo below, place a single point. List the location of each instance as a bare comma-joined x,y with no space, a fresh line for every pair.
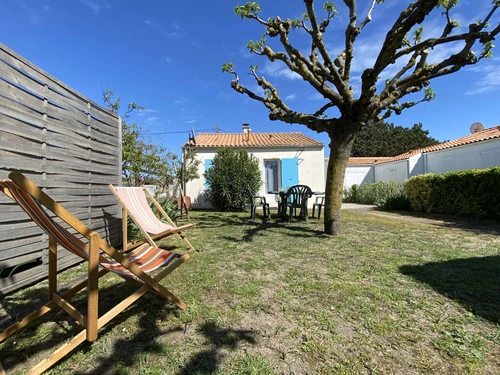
91,323
148,236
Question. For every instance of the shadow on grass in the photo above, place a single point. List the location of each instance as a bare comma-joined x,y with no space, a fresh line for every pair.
449,221
257,226
472,282
15,351
207,361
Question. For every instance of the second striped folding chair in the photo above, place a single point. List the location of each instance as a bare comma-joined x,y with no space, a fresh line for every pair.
134,201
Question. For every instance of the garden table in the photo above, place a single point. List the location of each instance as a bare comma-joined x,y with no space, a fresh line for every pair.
282,203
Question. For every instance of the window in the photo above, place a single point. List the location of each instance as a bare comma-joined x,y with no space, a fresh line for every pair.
271,175
208,165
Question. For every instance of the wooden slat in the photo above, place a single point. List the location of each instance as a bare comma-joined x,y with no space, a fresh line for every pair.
66,144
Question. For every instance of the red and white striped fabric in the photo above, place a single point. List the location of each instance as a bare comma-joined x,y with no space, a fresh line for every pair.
134,199
147,259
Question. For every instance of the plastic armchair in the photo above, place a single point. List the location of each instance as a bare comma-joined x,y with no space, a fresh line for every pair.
296,197
320,202
258,201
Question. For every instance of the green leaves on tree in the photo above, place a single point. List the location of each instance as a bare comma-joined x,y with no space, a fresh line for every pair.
252,8
379,139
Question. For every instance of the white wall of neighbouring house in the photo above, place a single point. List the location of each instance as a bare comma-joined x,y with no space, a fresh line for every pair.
392,171
477,155
358,175
310,172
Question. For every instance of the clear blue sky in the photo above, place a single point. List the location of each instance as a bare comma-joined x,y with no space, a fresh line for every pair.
167,56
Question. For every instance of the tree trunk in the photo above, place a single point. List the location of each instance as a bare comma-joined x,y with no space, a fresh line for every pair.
340,150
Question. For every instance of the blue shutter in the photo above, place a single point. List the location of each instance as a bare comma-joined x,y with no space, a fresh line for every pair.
289,172
208,165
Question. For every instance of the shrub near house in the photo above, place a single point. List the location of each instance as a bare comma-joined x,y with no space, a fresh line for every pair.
385,195
232,174
472,193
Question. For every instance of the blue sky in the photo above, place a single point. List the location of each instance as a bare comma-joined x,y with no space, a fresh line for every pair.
167,56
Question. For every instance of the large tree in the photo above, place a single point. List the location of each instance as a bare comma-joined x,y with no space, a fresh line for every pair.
404,47
381,138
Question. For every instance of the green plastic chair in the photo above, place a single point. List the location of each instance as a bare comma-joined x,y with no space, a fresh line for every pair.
258,201
320,202
296,197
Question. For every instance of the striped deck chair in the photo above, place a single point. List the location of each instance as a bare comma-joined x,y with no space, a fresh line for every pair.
133,267
134,201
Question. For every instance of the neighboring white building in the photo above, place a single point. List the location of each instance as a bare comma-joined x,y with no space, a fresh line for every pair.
285,159
475,151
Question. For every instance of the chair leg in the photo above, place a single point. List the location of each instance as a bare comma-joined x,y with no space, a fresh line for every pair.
93,288
314,207
319,212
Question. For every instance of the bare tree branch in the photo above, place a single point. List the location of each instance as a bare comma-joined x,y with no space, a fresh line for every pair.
414,14
368,17
318,41
351,33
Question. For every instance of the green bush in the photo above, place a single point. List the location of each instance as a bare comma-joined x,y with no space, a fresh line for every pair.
386,195
473,193
231,176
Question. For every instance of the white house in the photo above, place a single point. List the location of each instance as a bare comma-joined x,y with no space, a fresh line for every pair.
285,159
480,149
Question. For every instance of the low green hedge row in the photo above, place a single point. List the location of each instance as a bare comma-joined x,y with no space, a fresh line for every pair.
473,193
386,195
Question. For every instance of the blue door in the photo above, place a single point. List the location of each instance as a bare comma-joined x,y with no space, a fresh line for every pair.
208,165
289,172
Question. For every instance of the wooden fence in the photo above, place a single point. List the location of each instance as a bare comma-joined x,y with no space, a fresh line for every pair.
65,143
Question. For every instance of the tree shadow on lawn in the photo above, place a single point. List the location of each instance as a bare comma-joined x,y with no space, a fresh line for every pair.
472,282
126,350
446,221
286,228
207,361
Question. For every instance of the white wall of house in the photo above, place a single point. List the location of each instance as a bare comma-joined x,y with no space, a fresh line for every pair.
393,171
310,174
358,175
482,154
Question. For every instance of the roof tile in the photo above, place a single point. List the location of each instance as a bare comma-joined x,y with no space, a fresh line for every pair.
482,135
253,140
366,160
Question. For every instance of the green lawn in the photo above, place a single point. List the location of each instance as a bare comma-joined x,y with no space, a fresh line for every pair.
390,296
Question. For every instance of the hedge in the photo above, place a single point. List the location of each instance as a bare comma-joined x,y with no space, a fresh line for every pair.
385,195
473,193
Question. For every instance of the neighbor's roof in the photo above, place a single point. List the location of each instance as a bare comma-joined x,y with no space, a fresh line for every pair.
255,140
482,135
366,160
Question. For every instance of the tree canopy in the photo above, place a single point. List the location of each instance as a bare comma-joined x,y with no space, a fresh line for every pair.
386,139
404,66
143,161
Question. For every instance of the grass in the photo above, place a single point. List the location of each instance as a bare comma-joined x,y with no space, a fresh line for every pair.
389,296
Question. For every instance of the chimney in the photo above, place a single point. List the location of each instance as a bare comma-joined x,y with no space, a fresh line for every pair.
247,131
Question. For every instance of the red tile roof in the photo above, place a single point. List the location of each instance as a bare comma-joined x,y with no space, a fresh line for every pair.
482,135
255,140
366,160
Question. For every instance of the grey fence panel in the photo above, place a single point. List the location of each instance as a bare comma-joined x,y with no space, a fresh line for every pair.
67,145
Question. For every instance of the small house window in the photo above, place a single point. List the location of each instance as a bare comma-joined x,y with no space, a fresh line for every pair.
271,175
208,165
